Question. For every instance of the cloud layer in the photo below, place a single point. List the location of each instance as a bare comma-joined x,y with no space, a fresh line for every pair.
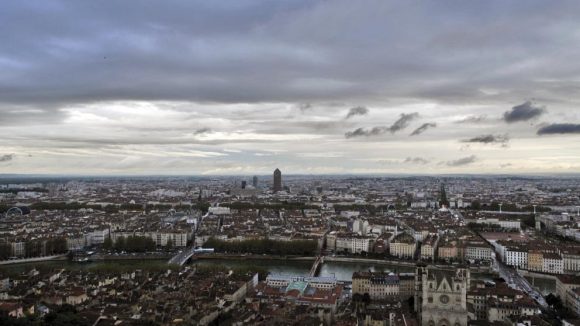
192,87
416,160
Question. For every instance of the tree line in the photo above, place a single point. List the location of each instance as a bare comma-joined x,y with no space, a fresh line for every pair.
111,208
17,190
275,206
264,246
131,243
37,248
368,209
239,270
153,266
5,251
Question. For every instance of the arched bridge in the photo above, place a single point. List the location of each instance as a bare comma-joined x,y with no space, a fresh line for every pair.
316,266
182,257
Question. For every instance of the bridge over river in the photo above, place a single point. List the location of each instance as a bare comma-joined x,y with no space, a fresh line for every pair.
315,269
183,256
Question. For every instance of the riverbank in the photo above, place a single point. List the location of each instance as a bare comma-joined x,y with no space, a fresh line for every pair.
251,257
308,258
340,267
95,258
131,257
348,260
371,261
33,260
238,257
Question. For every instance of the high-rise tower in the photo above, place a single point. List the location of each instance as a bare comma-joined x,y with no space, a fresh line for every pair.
277,180
255,181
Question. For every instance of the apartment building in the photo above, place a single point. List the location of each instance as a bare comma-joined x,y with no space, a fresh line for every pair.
403,245
429,247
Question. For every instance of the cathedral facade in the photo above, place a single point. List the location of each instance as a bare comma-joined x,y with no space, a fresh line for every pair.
441,295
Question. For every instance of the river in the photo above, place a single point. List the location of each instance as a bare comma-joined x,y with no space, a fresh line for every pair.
341,270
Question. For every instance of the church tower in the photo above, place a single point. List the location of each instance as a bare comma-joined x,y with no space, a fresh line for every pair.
441,296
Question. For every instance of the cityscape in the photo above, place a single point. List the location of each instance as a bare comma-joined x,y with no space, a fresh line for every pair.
298,162
267,250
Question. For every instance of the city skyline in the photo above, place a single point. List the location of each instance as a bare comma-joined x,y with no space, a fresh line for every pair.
313,87
298,162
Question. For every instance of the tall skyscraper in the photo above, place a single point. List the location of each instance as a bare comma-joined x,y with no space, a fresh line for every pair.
277,180
255,181
244,184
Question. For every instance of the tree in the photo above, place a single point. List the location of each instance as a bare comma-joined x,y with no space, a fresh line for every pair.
32,248
357,301
64,316
475,205
357,297
264,246
169,244
366,298
529,221
120,244
5,251
148,323
139,244
411,303
6,320
56,246
554,301
108,243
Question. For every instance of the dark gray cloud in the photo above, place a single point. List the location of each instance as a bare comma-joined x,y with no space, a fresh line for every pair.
6,157
359,110
85,72
559,128
16,115
416,160
202,131
488,139
305,107
284,127
423,128
76,141
215,52
523,112
401,123
462,161
473,119
360,132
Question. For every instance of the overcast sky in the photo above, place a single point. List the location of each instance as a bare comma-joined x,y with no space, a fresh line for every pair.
243,87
